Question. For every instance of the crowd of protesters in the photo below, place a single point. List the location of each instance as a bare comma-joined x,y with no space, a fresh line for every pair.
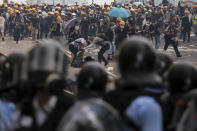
151,92
49,21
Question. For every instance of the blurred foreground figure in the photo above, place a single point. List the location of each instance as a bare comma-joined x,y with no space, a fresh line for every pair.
137,92
91,113
91,81
181,79
46,72
11,91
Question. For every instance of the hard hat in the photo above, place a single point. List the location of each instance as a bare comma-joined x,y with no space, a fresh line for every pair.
105,13
137,62
165,7
56,12
16,11
119,19
59,18
92,117
181,78
187,12
122,23
96,73
108,8
91,11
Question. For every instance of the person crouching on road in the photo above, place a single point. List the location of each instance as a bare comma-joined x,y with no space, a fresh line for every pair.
17,31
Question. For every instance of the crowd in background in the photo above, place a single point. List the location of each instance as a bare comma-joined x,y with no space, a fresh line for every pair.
150,93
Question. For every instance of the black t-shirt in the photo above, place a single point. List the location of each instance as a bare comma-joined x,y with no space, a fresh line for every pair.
35,22
121,35
157,29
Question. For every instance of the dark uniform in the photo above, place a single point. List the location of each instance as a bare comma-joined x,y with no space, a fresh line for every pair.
170,38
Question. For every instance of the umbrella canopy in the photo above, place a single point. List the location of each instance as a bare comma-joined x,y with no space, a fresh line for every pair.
119,12
70,24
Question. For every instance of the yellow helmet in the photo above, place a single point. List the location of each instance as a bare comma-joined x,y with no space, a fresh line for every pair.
91,11
16,6
56,12
119,19
59,18
105,13
73,8
122,22
165,7
111,7
16,11
33,9
21,8
79,7
187,12
103,8
82,13
108,8
118,5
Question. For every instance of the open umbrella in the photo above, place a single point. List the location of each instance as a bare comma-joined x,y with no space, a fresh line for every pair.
119,12
70,24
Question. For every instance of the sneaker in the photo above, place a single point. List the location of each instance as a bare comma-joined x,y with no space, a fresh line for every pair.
178,56
106,63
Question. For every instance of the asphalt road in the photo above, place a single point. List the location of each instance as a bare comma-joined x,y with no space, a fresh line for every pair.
188,51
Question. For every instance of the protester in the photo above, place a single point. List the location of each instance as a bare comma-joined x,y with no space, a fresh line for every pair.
2,26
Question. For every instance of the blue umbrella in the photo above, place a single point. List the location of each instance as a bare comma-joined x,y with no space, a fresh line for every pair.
119,12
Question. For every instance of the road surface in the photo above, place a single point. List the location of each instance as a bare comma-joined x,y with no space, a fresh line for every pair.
188,50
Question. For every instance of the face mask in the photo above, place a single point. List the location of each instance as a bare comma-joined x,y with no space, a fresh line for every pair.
76,27
121,26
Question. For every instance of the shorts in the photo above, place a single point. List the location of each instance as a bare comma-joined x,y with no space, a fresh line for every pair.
2,29
34,31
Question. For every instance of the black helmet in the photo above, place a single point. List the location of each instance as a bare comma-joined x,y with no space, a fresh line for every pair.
48,57
137,61
164,62
13,69
46,62
91,115
92,77
181,78
135,55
